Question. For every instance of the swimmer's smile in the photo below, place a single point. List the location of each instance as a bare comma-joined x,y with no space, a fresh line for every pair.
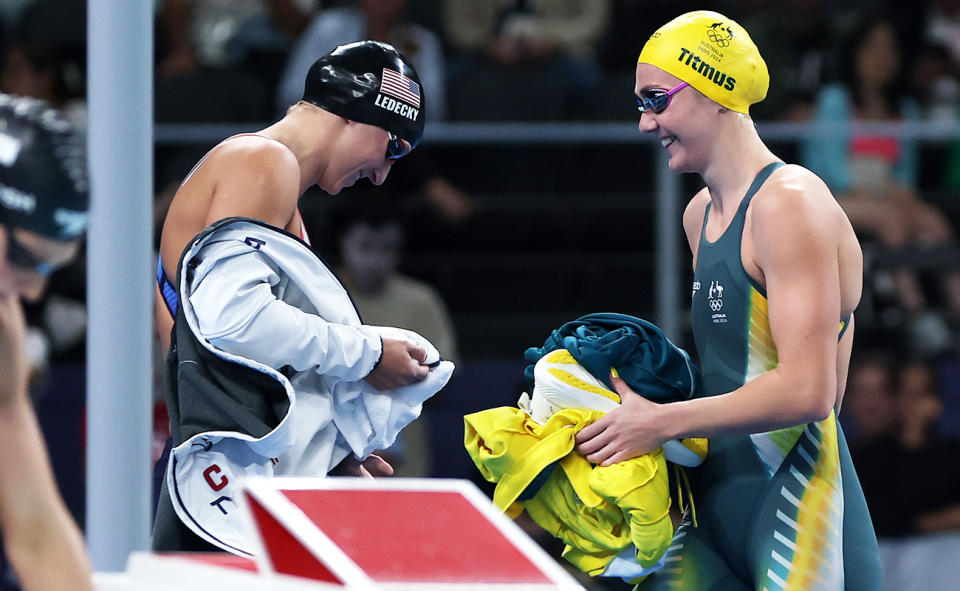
667,141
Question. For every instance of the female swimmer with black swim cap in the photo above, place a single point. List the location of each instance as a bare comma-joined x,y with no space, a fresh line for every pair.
362,110
43,213
777,276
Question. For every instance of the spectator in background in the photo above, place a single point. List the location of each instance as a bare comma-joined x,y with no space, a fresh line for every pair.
371,244
209,53
869,414
219,33
869,409
943,26
875,176
937,72
908,472
513,50
41,70
45,58
929,463
933,76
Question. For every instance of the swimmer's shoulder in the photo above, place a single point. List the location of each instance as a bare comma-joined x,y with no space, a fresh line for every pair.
794,197
253,150
794,190
253,176
240,154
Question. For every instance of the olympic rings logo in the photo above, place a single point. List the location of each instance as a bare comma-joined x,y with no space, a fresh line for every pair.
716,38
721,36
715,305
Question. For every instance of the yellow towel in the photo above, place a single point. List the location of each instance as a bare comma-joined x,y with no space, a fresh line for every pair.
596,511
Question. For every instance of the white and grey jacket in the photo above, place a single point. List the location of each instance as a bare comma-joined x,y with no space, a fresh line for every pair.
265,374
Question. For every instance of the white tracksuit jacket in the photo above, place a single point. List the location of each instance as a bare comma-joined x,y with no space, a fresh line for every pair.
257,297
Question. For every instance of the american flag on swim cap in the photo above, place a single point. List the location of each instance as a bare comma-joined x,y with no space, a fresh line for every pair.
399,86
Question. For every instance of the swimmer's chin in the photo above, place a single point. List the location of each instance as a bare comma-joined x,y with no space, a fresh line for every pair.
343,185
334,190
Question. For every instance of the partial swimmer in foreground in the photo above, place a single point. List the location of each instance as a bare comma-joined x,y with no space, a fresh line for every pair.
44,200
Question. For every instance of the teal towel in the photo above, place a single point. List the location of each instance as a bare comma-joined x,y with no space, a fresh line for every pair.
645,358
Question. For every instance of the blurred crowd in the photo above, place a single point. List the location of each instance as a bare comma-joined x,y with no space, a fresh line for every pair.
902,446
831,64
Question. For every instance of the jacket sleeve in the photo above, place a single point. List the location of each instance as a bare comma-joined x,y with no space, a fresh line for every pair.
238,312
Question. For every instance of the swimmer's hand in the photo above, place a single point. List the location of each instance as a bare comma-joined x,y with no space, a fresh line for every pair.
401,364
630,430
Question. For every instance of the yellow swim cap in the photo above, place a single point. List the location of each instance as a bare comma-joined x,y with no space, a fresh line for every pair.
712,53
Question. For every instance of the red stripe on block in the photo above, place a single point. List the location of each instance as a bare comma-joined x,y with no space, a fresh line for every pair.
416,536
286,553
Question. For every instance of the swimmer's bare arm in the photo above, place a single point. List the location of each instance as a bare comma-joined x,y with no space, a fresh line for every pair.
796,244
42,542
250,177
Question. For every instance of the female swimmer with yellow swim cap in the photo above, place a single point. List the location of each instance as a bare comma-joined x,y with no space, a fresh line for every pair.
777,276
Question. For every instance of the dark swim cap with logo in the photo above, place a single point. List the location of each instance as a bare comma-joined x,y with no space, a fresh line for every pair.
43,170
369,82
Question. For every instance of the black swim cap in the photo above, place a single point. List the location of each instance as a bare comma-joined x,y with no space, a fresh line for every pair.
369,82
43,170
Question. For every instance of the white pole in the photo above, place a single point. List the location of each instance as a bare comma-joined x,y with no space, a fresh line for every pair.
119,290
668,271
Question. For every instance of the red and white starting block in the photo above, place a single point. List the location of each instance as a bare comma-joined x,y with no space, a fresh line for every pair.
361,534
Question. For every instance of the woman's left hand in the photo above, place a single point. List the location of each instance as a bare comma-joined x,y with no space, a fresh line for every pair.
626,432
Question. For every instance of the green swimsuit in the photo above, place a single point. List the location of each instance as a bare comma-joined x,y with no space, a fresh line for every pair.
777,510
